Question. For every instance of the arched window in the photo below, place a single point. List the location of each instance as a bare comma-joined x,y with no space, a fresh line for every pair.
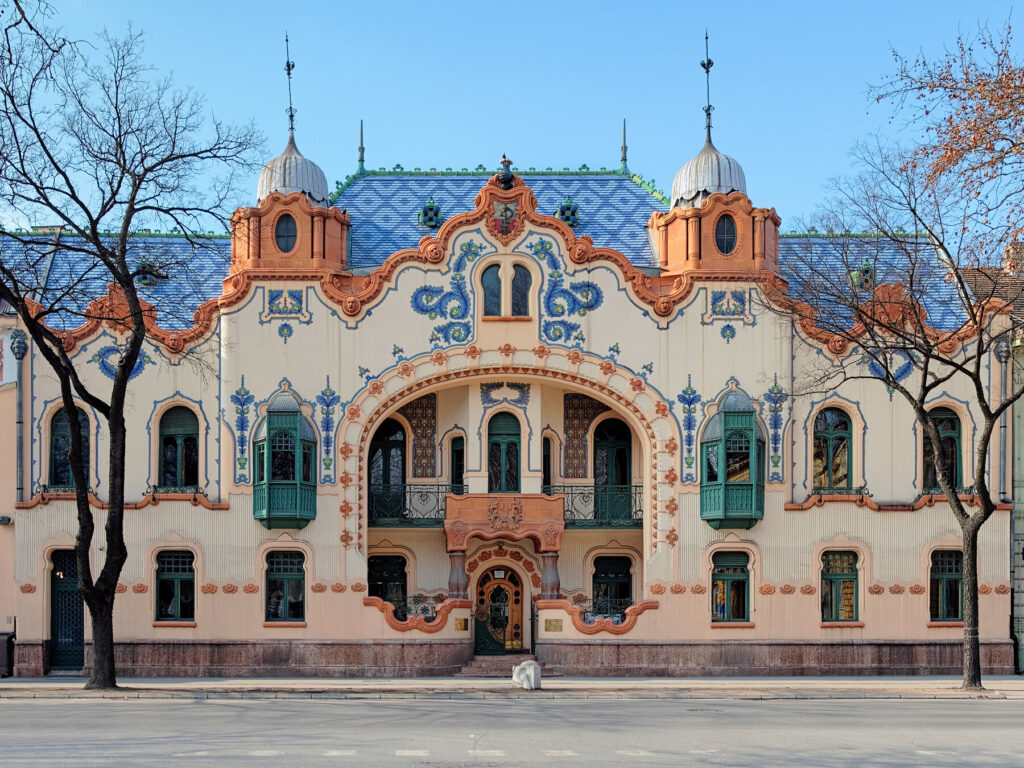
521,281
503,454
286,586
389,582
732,460
546,468
60,448
730,586
612,588
284,489
613,470
839,586
458,465
948,424
491,282
175,586
179,448
284,233
832,438
725,234
946,597
387,472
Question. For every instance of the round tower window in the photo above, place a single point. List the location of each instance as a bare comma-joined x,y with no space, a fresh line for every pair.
284,233
725,234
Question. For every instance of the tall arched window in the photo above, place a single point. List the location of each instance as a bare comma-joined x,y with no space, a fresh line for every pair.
179,448
60,447
284,454
491,282
948,424
521,281
546,468
832,438
458,465
613,470
503,454
732,460
387,471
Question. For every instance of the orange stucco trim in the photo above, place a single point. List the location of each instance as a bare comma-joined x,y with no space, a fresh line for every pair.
195,499
947,624
732,625
284,624
925,500
177,624
417,622
600,625
841,624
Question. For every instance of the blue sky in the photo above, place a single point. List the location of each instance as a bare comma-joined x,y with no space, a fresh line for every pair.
446,84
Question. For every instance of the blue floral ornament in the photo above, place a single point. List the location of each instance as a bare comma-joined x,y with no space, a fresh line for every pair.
728,332
285,331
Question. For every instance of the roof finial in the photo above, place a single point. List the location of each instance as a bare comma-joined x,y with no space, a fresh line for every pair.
289,65
706,65
362,150
624,169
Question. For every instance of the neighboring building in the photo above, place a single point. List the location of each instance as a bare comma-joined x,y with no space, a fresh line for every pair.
456,413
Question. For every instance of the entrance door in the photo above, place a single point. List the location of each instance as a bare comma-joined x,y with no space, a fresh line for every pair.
499,613
613,494
67,623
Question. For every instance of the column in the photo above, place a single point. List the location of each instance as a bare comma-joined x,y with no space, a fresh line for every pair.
458,581
550,582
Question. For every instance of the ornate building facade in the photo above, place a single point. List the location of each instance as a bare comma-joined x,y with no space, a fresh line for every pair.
446,414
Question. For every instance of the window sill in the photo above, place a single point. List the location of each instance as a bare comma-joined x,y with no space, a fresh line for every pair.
841,624
284,623
499,319
947,624
732,625
179,624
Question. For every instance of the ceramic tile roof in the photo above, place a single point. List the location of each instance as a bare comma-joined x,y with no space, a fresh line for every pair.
385,206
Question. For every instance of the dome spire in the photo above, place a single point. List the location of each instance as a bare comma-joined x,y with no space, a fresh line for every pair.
289,65
706,65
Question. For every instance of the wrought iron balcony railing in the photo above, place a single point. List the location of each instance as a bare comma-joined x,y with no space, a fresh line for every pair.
604,608
412,607
407,505
601,506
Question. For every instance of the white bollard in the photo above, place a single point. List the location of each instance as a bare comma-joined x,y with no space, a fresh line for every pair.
527,675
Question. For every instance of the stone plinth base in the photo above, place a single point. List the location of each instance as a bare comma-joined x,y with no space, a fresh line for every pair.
291,658
30,658
764,658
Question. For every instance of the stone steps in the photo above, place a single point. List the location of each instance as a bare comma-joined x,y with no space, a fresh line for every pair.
498,666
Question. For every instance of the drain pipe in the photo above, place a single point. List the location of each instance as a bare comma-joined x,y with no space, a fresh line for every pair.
1003,356
19,347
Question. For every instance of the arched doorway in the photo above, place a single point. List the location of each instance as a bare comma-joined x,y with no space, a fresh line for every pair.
387,471
613,470
498,612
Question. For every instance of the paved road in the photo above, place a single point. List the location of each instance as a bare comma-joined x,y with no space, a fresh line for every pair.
573,734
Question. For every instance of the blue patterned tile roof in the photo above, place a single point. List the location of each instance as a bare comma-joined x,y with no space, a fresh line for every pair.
385,207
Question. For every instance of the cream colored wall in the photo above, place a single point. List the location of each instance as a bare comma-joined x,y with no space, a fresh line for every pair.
8,490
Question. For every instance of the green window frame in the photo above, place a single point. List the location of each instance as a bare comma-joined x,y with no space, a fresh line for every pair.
833,441
286,586
946,596
503,454
948,424
175,586
839,593
730,587
60,447
284,466
179,448
732,466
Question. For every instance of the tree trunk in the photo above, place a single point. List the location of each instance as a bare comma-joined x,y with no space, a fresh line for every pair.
972,645
101,673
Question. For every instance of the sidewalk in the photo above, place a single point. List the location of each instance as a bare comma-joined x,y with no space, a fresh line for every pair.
933,687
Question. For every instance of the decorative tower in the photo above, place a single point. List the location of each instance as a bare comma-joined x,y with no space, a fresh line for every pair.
712,226
291,229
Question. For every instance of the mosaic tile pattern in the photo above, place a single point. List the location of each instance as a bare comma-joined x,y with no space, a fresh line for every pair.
579,412
422,416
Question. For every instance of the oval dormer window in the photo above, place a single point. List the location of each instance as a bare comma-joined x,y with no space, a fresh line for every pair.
725,234
284,233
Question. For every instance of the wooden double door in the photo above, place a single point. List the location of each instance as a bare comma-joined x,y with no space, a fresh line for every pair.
498,612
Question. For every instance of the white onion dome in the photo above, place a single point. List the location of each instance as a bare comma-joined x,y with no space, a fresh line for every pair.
291,172
709,172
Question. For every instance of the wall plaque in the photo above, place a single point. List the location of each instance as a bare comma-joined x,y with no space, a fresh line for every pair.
552,625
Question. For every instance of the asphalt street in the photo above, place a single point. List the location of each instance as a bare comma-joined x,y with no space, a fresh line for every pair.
541,732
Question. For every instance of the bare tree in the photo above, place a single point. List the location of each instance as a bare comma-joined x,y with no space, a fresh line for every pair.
905,288
96,145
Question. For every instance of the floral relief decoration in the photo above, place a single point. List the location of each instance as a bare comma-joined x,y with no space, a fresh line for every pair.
562,301
774,398
327,402
452,304
690,400
242,399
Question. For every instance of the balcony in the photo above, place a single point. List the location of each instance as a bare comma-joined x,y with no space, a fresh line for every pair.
284,504
603,506
407,505
604,608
